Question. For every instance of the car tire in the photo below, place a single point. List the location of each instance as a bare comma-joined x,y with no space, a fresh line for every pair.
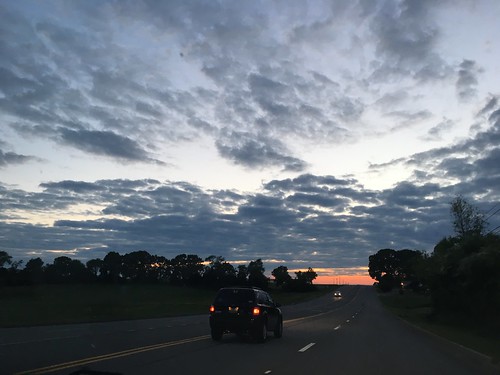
278,331
216,334
261,332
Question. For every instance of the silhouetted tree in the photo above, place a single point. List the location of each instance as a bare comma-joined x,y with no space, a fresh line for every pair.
218,272
384,262
391,268
141,266
5,258
161,269
111,267
33,272
256,275
186,269
137,266
465,275
11,275
242,275
66,270
281,276
94,266
409,265
467,220
307,276
304,280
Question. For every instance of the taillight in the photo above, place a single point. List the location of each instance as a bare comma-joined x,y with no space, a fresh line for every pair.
255,311
212,309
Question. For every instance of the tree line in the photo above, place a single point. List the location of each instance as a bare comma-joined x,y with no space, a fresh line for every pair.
143,267
462,274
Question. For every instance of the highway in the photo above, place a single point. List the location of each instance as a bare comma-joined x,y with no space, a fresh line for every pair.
351,335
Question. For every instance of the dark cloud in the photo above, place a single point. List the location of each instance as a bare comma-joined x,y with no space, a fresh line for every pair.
406,38
105,143
306,183
252,152
337,219
406,119
468,167
10,158
88,74
290,220
71,186
81,84
489,165
467,79
85,77
492,103
438,131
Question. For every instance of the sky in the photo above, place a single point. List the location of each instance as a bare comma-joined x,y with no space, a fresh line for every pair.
305,133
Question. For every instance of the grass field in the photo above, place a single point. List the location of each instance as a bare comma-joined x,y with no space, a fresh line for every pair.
61,304
416,309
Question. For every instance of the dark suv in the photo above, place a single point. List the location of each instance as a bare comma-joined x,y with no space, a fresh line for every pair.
245,310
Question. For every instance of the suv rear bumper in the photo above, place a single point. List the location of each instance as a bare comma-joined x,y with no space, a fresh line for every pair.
237,325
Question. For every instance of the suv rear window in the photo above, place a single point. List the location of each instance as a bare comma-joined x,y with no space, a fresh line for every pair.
234,297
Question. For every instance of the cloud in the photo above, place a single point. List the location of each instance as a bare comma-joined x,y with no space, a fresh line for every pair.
466,167
492,103
406,37
467,80
10,158
257,152
127,80
105,143
321,221
71,186
438,131
289,220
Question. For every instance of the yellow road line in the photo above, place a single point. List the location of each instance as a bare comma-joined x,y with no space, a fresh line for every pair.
104,357
124,353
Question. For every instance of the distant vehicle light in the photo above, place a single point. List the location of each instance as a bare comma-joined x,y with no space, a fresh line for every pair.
256,311
212,309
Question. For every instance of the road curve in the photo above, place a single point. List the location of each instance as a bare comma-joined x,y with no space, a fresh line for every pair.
352,335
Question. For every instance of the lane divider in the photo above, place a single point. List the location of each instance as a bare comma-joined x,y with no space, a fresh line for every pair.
322,313
104,357
308,346
85,361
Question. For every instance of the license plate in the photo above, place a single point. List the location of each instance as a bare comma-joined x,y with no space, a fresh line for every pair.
233,310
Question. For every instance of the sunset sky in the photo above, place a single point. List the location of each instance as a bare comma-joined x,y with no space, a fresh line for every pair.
305,133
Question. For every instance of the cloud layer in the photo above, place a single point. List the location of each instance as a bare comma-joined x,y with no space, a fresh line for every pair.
146,88
323,221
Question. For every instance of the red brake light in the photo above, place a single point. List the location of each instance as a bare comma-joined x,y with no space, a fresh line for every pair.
256,311
212,309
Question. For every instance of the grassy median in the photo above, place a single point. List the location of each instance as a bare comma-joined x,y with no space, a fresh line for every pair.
417,309
62,304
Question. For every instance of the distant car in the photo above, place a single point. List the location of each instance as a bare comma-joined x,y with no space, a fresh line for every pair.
243,310
337,294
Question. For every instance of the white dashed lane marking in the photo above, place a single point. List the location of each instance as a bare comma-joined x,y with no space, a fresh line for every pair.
308,346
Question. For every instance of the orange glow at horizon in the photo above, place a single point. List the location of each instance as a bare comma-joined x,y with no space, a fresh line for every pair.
345,279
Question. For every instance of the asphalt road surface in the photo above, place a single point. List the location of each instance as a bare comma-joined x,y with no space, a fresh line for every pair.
351,335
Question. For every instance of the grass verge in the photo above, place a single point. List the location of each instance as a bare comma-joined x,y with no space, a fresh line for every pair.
63,304
417,310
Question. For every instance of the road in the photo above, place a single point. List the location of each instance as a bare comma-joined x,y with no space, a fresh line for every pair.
351,335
